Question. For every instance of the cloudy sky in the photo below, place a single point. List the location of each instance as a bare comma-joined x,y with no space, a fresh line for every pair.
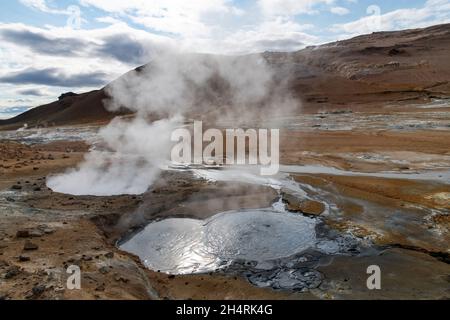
48,47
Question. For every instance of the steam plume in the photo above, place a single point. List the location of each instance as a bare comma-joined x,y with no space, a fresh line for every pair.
172,87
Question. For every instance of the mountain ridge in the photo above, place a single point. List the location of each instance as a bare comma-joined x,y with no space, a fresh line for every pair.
381,67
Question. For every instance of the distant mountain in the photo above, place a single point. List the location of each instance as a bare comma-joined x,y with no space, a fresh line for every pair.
383,66
409,65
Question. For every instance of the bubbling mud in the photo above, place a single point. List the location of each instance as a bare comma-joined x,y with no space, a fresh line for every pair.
186,246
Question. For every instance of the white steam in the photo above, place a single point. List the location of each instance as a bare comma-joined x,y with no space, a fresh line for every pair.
135,150
172,87
199,85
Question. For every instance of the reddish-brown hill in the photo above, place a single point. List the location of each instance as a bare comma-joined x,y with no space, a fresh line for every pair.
409,65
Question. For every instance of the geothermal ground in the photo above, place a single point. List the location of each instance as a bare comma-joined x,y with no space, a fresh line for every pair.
356,188
364,179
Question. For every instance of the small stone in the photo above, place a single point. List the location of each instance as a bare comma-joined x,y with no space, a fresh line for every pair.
100,288
313,208
24,258
48,231
73,261
120,278
38,290
22,234
36,233
29,246
12,272
109,255
103,270
307,207
16,187
37,189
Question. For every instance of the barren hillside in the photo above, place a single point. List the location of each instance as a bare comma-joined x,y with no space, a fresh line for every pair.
410,65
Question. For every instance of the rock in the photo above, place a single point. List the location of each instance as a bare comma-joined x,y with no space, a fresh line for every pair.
86,258
109,255
74,260
66,95
22,234
289,198
307,207
36,233
100,287
103,270
12,272
48,230
24,258
38,290
29,246
9,199
37,189
16,187
120,278
395,52
313,208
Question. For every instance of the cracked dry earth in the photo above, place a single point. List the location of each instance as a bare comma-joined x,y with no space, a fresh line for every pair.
402,225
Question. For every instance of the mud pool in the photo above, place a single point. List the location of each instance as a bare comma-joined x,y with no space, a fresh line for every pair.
271,247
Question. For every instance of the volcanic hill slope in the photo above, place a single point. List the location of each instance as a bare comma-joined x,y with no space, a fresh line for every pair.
410,65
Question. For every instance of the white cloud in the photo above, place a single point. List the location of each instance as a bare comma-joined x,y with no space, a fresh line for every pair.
279,34
108,20
193,25
35,4
41,5
179,17
433,12
341,11
291,7
16,57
